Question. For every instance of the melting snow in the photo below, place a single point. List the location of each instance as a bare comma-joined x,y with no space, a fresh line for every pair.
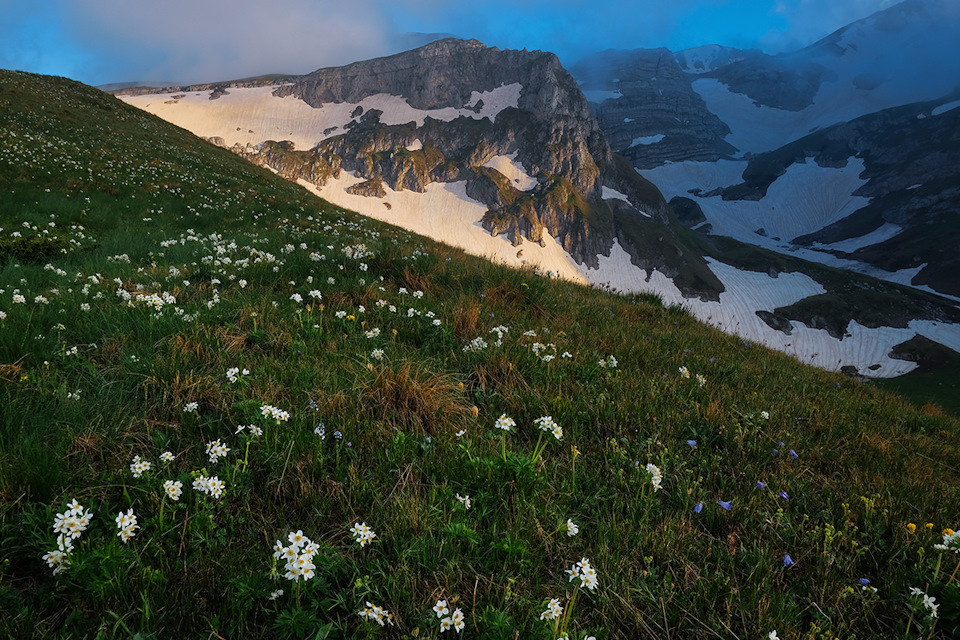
748,291
791,207
678,178
513,171
645,140
882,234
612,194
945,107
253,115
447,214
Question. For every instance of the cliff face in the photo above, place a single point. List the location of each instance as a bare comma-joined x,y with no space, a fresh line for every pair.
511,128
542,122
645,104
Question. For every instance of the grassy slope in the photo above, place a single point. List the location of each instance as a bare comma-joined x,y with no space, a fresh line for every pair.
867,463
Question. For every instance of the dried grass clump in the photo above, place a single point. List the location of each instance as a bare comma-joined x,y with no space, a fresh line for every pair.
414,400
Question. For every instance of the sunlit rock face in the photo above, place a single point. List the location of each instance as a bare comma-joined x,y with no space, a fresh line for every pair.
511,127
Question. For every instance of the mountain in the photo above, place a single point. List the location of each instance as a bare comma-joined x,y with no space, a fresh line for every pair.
841,153
493,151
498,152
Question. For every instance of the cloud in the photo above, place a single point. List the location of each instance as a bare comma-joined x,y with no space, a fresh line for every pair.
207,40
807,21
100,41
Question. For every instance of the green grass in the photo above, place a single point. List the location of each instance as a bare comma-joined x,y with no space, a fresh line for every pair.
96,376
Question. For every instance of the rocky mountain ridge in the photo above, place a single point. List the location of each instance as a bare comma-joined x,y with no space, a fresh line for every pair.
475,105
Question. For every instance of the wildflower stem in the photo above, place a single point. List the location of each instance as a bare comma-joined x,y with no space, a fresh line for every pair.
954,574
537,450
566,614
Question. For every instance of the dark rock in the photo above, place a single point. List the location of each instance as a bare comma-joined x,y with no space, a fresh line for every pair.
777,322
370,188
688,211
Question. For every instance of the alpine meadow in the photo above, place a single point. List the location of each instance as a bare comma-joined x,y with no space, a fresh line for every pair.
231,409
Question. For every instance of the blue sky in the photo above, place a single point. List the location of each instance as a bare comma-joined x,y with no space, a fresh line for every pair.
101,41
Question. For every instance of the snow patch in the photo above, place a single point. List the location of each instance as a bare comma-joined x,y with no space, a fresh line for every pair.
447,214
612,194
513,171
882,234
945,107
791,207
600,95
252,115
416,145
747,292
678,178
645,140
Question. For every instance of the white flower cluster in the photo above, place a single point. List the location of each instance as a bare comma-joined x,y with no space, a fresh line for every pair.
190,407
138,466
477,344
546,423
362,533
464,500
167,456
951,542
554,610
234,373
270,411
377,614
540,348
299,556
929,602
217,450
500,331
68,526
126,523
684,373
586,573
572,529
212,486
252,428
657,478
608,363
174,489
357,251
153,300
377,354
504,422
373,333
455,620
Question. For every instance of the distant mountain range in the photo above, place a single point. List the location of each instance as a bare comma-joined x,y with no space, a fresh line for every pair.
793,181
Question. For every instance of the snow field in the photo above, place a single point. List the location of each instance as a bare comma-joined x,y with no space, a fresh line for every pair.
253,115
747,292
447,214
